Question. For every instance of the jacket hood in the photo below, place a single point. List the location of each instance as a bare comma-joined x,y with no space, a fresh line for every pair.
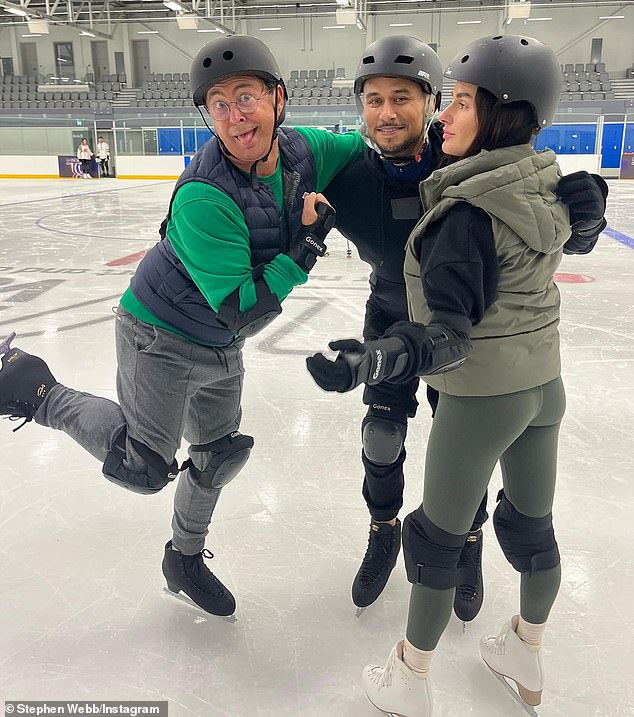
514,184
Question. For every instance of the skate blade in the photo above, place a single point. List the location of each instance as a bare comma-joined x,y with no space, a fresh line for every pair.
514,694
188,601
5,346
359,611
390,714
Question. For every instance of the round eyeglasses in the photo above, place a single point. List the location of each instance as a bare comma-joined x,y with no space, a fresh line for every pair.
246,103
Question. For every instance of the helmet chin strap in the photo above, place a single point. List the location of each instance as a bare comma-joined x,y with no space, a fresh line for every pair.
253,175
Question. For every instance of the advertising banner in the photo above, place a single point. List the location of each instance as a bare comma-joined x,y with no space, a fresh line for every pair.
70,166
627,165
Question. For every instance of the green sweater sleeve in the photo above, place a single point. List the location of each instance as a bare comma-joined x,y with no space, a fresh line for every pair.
331,152
210,237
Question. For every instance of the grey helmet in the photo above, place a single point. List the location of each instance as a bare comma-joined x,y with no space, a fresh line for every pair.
233,55
400,56
512,68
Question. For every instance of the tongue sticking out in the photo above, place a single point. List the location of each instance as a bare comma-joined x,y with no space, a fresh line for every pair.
246,138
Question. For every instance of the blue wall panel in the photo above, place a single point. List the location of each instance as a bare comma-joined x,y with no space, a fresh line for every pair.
202,135
629,138
568,138
195,138
169,140
581,139
611,145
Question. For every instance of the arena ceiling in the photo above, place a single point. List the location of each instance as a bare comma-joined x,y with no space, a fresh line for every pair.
100,17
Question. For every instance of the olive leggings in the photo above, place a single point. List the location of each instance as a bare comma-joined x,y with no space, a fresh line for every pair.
468,436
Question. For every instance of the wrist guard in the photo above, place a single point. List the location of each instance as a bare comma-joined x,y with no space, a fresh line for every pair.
433,348
250,322
310,240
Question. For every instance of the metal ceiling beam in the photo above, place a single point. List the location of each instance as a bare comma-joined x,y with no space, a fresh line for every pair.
126,11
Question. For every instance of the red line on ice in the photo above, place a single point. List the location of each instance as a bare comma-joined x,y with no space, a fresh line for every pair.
130,259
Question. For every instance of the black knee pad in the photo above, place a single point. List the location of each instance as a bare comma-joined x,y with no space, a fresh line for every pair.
383,434
528,543
227,457
155,476
431,553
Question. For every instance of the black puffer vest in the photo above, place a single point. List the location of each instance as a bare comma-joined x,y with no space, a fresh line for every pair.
162,283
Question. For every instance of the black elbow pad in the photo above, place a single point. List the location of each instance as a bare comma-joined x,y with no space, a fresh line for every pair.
447,349
248,323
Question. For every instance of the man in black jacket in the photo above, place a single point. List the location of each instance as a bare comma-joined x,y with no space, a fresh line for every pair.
397,89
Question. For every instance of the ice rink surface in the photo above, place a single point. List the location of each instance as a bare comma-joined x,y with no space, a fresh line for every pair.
82,612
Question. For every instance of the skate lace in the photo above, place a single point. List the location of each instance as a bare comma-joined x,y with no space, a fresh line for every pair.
382,676
198,567
13,417
498,644
375,558
470,558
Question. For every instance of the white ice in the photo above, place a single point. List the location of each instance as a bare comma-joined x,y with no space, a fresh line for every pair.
83,615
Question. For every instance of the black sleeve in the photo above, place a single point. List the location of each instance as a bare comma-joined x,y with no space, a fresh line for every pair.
459,263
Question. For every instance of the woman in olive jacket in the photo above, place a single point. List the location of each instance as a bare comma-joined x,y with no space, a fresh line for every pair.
484,313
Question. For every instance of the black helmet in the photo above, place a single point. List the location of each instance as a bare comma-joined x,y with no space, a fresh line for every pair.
512,68
400,56
233,55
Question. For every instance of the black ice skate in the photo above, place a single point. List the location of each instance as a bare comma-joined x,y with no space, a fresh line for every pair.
470,589
384,544
25,382
190,575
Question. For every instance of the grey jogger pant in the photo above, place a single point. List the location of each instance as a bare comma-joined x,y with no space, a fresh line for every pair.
168,388
469,435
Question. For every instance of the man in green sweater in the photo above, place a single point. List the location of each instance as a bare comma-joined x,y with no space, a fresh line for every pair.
246,224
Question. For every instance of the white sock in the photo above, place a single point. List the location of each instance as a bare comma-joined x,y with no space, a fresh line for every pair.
530,633
418,661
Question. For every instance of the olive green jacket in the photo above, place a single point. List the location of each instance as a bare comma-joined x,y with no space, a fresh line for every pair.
516,345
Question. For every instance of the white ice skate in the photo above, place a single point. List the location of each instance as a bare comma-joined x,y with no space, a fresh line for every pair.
397,690
510,659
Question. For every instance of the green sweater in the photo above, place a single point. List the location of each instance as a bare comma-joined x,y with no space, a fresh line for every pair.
209,234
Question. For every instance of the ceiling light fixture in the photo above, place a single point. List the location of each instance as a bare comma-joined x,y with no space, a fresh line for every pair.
174,5
401,24
14,10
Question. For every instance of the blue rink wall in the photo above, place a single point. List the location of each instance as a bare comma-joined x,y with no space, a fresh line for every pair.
574,143
562,138
582,138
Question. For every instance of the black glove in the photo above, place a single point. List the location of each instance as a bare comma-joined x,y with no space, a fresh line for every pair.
370,362
584,194
309,242
584,237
